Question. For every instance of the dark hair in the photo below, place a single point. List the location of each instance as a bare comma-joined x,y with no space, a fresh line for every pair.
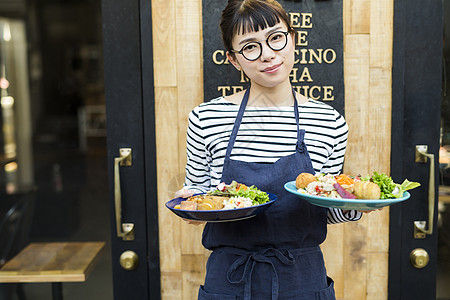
241,16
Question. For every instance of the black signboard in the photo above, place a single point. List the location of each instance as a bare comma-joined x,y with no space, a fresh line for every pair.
319,67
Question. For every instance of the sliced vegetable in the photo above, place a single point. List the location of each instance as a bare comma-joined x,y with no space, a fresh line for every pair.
343,192
406,185
344,179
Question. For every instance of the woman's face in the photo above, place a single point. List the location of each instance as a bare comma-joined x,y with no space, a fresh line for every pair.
272,67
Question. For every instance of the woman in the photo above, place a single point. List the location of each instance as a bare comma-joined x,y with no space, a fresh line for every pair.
265,136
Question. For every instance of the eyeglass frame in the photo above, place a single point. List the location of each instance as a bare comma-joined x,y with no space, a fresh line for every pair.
261,46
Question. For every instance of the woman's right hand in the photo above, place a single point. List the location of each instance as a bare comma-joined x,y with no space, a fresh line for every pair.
185,192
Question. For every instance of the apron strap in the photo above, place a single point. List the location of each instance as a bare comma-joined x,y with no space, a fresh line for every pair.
300,146
240,114
249,261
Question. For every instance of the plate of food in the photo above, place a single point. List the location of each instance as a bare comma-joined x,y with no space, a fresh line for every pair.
231,202
350,192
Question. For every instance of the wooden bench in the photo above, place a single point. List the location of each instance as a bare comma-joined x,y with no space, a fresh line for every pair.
52,262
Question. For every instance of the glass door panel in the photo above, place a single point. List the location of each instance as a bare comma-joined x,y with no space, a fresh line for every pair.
443,271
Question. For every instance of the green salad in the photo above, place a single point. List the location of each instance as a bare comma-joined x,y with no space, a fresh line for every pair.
235,189
390,189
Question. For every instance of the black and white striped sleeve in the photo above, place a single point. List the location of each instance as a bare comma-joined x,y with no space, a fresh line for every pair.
335,161
197,167
336,216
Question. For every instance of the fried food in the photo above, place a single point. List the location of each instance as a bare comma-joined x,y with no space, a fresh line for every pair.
366,190
203,202
188,205
211,203
304,179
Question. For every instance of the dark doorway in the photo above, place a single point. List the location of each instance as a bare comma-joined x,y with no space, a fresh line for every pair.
53,149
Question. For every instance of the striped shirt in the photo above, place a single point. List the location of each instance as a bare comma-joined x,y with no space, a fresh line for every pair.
265,135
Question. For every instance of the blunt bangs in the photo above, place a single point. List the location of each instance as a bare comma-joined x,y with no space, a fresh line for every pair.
243,16
255,19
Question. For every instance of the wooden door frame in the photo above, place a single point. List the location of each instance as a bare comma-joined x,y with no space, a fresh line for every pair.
416,79
130,102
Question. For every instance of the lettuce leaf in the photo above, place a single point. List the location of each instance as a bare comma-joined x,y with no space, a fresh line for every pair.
237,190
406,185
390,189
258,197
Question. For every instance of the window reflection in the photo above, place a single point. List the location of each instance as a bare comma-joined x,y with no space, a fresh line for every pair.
17,171
52,126
443,272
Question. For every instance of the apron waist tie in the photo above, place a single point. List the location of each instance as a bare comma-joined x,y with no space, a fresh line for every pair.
248,261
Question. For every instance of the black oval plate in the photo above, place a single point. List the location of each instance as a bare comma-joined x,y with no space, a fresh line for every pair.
222,215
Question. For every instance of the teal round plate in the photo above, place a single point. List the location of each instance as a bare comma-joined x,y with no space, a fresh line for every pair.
347,204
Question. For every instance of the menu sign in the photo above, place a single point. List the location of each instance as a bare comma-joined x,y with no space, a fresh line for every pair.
318,71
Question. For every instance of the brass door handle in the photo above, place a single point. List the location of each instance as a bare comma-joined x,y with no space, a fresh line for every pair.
419,226
124,230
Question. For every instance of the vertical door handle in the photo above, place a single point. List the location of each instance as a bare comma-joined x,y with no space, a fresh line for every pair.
420,230
124,230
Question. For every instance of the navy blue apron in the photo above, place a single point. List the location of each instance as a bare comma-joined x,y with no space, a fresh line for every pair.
276,254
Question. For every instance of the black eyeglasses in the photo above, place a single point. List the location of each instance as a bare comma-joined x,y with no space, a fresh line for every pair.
252,51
